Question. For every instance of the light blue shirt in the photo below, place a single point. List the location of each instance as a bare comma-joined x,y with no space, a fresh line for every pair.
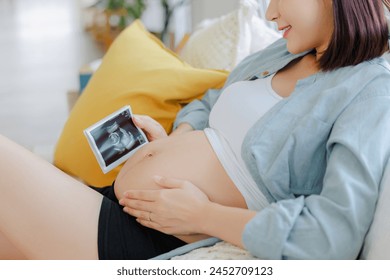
318,156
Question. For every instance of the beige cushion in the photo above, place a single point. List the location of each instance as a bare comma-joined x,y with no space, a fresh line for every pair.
377,243
223,42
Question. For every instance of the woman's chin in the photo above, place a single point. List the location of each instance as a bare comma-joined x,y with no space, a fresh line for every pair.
294,49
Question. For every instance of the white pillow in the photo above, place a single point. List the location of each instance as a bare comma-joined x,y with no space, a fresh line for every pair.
377,242
223,42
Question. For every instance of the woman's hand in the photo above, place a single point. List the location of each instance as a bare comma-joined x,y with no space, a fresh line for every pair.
151,127
178,208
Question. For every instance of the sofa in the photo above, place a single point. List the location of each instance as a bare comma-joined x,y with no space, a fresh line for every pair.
214,48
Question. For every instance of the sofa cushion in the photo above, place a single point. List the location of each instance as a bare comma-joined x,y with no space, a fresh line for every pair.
223,42
138,71
377,242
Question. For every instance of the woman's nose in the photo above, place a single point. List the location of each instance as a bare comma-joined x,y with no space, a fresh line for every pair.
272,12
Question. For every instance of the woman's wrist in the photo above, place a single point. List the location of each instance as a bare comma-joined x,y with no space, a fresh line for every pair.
223,222
208,218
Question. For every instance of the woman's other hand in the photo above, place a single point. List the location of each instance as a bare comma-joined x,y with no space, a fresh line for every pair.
150,127
178,208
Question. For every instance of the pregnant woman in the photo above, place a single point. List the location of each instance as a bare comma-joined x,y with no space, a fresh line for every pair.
293,147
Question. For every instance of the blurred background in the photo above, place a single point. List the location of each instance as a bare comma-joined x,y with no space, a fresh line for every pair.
45,43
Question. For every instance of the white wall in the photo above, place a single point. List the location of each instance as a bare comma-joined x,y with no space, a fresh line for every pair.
187,17
180,24
203,9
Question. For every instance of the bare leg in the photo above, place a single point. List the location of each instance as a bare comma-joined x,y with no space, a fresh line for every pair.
45,213
8,251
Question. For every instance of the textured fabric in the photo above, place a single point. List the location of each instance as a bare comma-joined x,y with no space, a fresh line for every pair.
318,156
220,251
223,42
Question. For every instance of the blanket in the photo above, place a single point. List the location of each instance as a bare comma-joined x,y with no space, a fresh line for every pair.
220,251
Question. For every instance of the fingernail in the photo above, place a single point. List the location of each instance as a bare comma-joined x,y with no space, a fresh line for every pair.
157,178
137,119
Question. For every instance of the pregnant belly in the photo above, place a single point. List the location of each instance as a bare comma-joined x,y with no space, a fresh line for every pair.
186,156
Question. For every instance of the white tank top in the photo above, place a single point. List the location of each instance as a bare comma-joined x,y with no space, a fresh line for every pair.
235,112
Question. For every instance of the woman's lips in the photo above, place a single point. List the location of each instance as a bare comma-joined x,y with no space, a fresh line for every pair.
286,31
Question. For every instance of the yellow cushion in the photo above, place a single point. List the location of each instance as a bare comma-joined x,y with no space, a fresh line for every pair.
138,71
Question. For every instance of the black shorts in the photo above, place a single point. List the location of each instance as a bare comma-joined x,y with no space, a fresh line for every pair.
121,237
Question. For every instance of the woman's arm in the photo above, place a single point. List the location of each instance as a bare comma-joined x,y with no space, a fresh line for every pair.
333,223
196,114
330,225
226,223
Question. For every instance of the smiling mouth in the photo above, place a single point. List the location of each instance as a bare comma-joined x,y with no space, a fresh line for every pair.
285,30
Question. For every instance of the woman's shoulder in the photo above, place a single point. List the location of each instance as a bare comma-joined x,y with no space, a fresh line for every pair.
368,78
379,64
377,74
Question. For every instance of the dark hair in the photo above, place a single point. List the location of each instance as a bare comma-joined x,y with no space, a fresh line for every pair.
360,33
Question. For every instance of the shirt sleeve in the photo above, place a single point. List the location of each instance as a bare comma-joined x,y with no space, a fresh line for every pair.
333,224
197,112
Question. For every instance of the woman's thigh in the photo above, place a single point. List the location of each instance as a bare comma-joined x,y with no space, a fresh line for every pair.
44,212
8,251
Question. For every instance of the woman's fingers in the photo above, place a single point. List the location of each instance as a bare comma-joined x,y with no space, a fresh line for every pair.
151,127
142,210
145,195
142,121
169,183
142,215
173,209
136,204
